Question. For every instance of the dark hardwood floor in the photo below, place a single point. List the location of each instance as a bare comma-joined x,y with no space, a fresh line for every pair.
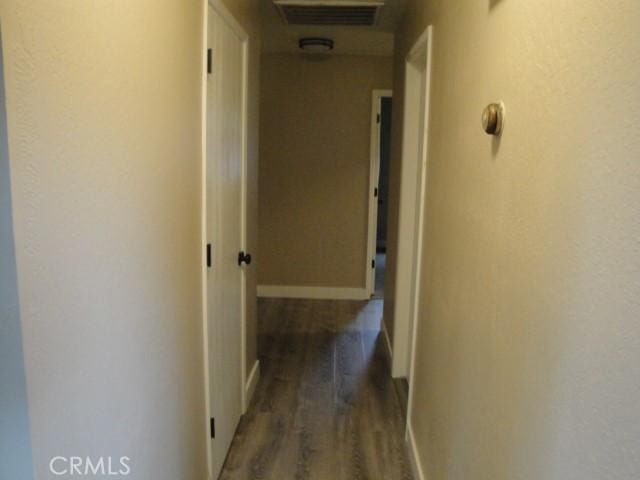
325,407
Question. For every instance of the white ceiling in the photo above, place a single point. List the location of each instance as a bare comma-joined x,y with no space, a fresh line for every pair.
277,37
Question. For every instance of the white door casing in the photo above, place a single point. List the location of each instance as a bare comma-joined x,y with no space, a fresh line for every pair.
416,150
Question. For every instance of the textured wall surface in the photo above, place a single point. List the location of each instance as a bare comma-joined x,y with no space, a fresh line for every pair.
15,439
104,102
247,13
529,341
314,167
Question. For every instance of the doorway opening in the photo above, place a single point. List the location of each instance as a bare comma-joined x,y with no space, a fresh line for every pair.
413,189
381,110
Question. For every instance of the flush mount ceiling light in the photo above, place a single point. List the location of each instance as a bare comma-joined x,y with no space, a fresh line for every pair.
316,45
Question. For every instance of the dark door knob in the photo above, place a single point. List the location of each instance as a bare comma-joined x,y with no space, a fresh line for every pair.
244,257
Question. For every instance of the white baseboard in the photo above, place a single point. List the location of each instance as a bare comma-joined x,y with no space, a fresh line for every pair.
320,293
252,382
414,458
387,342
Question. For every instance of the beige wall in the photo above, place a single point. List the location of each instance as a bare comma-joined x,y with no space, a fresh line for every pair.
104,103
529,342
314,167
247,13
15,438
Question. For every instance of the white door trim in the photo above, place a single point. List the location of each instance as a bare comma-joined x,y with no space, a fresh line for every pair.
421,52
203,232
412,184
235,26
374,175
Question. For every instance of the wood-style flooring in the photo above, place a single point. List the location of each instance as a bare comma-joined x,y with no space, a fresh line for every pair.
326,407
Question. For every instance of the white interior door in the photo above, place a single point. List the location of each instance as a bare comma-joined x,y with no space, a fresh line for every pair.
374,185
224,230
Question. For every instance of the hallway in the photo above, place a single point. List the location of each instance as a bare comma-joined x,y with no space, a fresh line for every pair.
325,407
190,196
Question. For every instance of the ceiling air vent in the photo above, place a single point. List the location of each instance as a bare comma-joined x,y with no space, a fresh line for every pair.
327,12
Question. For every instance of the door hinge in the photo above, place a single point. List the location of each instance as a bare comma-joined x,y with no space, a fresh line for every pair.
373,264
208,255
212,425
375,192
209,60
378,118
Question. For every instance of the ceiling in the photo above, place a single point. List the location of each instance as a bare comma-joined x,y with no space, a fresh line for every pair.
277,37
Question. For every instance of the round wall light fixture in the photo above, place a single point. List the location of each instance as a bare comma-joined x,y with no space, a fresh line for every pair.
316,44
493,119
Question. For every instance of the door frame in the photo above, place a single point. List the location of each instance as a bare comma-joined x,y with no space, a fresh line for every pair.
228,18
419,59
412,183
374,177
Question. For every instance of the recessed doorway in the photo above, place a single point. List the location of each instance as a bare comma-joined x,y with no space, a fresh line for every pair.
379,183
